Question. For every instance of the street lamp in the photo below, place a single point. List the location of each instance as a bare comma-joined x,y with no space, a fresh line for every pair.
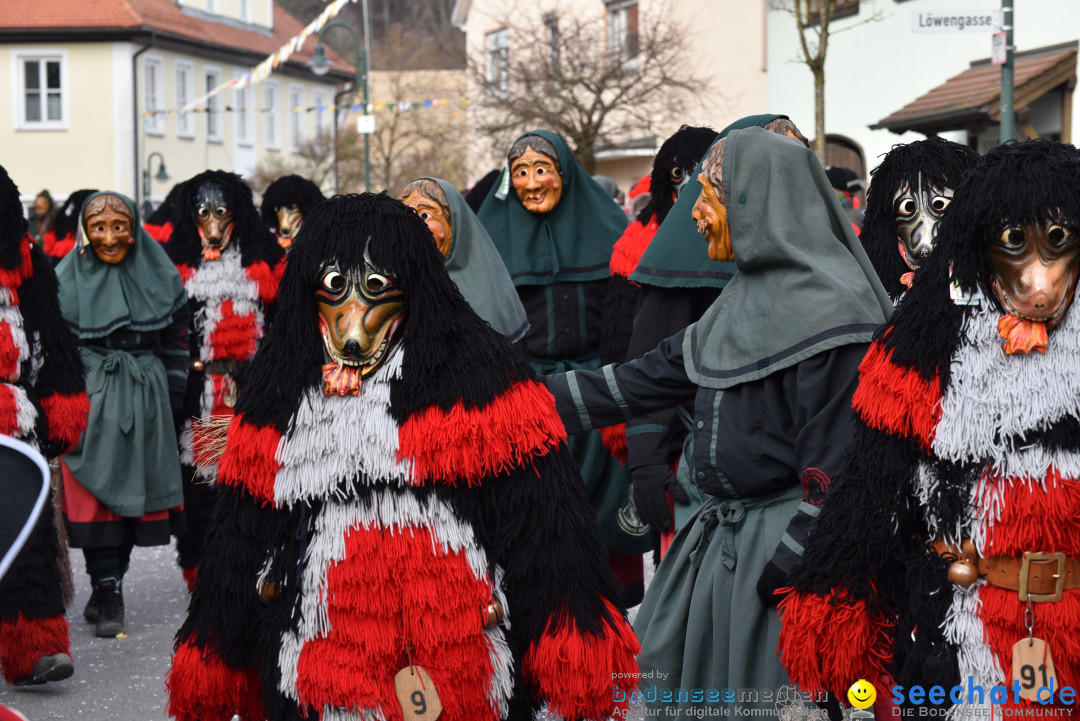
161,177
320,65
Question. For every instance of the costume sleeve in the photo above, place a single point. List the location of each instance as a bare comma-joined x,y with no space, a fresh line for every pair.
59,381
214,668
615,393
564,604
175,349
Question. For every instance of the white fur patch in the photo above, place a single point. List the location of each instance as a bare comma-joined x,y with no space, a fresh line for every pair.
332,439
25,415
10,314
963,627
214,282
993,397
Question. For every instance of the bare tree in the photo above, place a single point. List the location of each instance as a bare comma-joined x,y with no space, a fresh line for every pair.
570,75
314,160
813,20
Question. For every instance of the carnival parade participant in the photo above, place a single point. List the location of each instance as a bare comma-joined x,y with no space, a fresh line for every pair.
471,259
676,285
285,204
42,216
159,224
231,266
125,303
554,228
400,528
770,369
43,404
909,193
61,236
947,552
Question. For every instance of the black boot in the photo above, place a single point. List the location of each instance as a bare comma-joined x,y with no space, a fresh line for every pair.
90,613
110,608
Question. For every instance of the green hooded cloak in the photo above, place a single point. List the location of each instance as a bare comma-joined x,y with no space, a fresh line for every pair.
128,456
800,268
676,256
478,271
572,243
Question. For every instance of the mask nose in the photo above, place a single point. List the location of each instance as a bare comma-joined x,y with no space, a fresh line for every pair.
352,348
922,253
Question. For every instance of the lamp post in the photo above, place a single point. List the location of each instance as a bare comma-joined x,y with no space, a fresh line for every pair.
319,64
161,177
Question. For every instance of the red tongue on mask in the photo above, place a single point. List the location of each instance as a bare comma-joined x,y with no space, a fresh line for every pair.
1022,336
341,380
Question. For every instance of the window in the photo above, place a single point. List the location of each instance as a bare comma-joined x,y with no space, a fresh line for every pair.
211,6
322,111
498,64
272,111
213,106
242,115
185,91
551,31
245,10
40,84
622,30
153,96
296,119
840,9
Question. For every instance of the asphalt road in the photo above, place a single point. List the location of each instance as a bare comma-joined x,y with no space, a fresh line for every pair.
123,679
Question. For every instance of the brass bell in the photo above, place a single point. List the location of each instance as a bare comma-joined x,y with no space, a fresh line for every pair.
268,592
198,366
963,573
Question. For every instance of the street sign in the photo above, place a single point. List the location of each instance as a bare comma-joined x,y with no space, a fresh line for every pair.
998,48
365,124
956,21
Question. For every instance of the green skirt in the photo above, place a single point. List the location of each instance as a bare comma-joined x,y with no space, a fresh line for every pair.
607,482
707,640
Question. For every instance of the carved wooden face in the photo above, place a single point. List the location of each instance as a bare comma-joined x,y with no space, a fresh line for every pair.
437,220
289,220
214,218
109,233
711,216
917,213
1035,270
536,181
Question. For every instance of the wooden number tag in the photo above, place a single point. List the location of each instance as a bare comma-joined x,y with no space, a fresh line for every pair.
417,695
1033,667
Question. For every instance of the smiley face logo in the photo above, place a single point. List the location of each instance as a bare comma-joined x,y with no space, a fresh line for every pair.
862,694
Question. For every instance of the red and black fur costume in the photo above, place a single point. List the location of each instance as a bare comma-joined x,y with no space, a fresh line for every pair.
954,439
674,162
395,516
60,238
43,403
286,191
230,300
159,224
934,162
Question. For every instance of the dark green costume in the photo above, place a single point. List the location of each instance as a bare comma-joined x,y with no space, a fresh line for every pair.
559,265
128,319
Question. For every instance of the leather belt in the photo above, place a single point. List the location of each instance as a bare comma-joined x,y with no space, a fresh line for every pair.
1036,577
225,367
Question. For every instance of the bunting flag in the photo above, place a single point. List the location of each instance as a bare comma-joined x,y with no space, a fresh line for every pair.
399,107
262,71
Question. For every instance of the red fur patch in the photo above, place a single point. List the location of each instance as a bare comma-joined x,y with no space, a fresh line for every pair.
895,399
580,675
186,272
235,336
818,657
12,278
67,416
250,460
631,246
9,352
23,641
398,586
160,233
1028,517
189,577
469,443
9,412
614,438
202,687
266,278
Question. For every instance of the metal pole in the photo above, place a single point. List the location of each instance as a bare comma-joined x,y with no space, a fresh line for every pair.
1008,112
367,67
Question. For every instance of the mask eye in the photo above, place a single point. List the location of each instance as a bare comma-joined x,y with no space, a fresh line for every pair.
202,211
939,203
676,174
221,212
906,207
333,281
1013,238
376,283
1059,235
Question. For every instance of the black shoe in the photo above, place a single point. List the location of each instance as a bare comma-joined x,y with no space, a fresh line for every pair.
110,610
49,668
90,613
